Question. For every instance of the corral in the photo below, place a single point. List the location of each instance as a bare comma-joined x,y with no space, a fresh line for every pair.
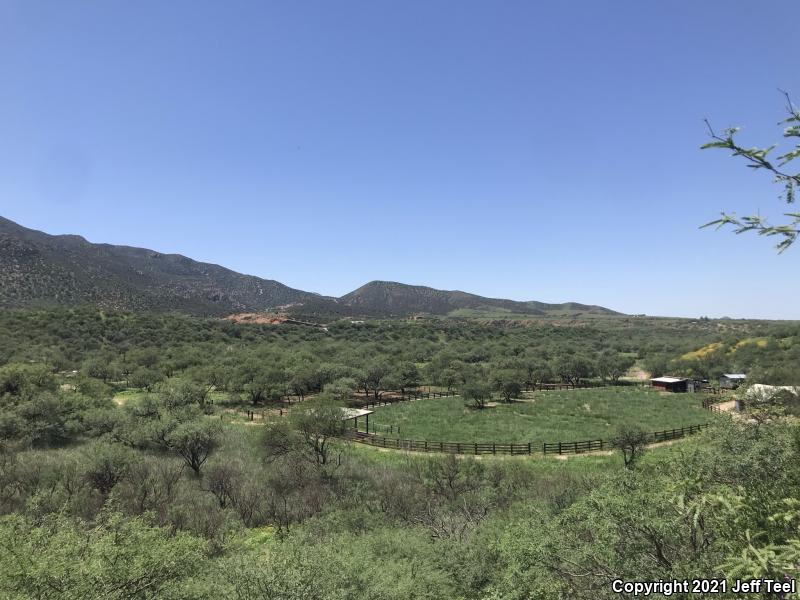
543,417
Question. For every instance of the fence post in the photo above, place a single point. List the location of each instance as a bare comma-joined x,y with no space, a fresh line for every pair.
529,447
458,447
476,447
559,447
494,448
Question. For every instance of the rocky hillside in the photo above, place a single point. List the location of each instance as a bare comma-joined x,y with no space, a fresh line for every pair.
37,269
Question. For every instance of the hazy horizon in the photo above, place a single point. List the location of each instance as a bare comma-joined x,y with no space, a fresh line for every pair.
456,145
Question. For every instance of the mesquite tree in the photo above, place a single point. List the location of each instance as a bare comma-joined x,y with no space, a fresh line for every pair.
757,158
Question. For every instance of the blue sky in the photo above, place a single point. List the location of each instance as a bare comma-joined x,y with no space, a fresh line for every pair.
526,150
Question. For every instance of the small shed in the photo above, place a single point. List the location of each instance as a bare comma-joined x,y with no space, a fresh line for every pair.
353,414
670,384
731,381
697,385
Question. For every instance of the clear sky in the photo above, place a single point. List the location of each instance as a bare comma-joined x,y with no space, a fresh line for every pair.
528,150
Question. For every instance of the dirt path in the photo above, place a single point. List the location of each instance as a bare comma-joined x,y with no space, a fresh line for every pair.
729,406
638,374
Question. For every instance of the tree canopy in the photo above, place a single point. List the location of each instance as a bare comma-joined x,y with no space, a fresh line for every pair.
758,158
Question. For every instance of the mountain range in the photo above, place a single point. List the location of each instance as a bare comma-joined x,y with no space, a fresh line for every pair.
42,270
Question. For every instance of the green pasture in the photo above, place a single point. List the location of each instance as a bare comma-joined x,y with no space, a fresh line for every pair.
547,416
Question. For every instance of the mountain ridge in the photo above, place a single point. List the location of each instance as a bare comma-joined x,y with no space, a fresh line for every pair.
38,269
408,299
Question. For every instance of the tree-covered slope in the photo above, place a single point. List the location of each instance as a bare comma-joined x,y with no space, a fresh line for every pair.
37,269
42,270
400,299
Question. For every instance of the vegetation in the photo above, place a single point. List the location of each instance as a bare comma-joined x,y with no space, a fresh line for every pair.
758,159
113,346
550,416
387,298
130,466
476,393
631,441
37,269
40,270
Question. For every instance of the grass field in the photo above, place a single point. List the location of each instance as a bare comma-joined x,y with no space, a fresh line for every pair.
132,394
551,416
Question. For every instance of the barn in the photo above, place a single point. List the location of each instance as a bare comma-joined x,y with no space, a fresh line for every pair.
670,384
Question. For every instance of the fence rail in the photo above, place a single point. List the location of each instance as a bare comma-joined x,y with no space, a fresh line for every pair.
403,398
575,447
564,386
446,447
707,389
479,448
410,397
674,434
365,402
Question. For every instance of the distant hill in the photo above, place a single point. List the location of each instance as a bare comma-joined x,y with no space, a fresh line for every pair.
38,270
41,270
387,297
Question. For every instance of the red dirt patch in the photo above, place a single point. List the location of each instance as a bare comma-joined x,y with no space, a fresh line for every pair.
259,318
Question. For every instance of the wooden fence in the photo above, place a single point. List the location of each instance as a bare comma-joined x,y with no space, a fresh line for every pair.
446,447
711,405
674,434
404,398
583,385
478,448
261,415
564,386
575,447
365,402
707,389
409,397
